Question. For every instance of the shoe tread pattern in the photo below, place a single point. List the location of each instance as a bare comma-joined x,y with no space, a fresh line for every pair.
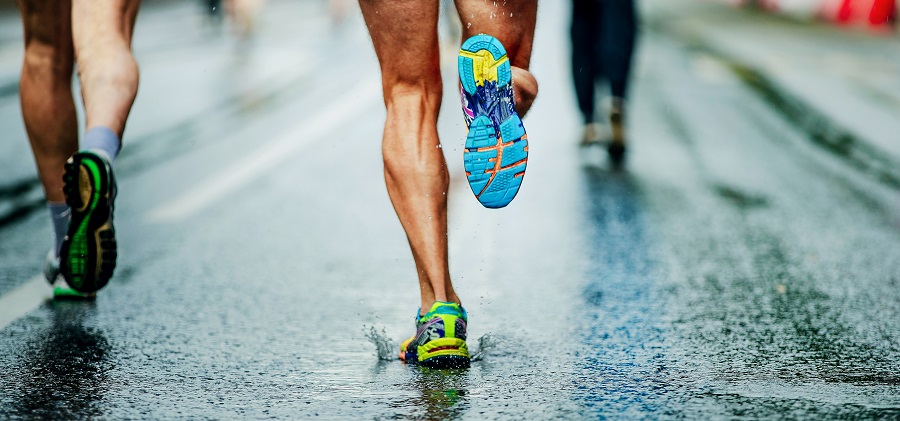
495,165
89,251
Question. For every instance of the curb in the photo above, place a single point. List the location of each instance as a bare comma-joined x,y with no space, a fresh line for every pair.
818,127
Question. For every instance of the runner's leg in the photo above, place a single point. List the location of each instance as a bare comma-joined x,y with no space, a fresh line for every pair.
106,67
583,45
619,27
101,31
414,166
513,24
45,89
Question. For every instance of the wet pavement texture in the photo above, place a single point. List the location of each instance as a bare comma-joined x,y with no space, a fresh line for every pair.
733,269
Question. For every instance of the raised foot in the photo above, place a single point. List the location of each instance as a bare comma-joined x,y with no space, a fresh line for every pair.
496,152
88,253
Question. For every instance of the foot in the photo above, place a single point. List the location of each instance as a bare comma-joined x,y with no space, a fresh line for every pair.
496,150
617,125
440,339
591,135
61,289
88,253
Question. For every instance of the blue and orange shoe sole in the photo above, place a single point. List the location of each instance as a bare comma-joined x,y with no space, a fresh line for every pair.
496,150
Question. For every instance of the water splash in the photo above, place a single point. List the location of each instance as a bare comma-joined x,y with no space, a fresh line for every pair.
486,344
387,349
384,345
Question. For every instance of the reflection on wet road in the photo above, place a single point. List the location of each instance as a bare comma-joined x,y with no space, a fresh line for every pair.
63,372
623,368
732,269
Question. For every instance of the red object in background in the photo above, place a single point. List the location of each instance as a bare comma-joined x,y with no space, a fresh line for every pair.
845,12
873,12
882,12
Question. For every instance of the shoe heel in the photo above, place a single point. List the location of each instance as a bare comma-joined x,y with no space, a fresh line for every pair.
71,181
443,347
444,353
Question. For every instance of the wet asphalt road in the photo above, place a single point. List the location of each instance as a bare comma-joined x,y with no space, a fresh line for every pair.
733,270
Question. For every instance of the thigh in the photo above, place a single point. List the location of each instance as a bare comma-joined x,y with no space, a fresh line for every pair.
511,22
101,22
404,33
47,23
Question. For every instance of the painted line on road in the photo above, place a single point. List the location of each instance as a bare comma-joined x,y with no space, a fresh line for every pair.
306,133
23,299
36,291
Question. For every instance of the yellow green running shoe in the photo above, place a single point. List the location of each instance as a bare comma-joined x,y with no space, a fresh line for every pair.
440,339
88,253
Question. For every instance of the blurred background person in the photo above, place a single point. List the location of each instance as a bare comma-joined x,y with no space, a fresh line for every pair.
338,11
603,38
243,15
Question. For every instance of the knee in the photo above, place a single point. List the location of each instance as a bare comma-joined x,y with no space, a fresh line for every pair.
48,60
422,94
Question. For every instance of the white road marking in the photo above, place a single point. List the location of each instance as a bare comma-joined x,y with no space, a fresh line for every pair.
36,291
23,299
305,133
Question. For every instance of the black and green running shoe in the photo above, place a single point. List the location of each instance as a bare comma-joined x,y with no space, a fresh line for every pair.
88,253
61,288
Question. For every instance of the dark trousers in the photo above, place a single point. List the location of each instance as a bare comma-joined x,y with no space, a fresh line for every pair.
603,37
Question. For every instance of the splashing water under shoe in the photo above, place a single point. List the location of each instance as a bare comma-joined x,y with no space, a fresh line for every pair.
486,344
386,348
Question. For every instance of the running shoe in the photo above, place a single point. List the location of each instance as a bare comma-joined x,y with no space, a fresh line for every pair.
88,252
496,146
592,134
440,339
61,289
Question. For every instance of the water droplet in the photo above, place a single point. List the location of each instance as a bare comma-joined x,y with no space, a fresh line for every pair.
469,25
384,346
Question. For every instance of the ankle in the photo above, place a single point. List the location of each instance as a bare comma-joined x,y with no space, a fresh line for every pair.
102,140
426,306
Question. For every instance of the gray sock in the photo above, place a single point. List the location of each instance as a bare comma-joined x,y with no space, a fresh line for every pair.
102,140
59,215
